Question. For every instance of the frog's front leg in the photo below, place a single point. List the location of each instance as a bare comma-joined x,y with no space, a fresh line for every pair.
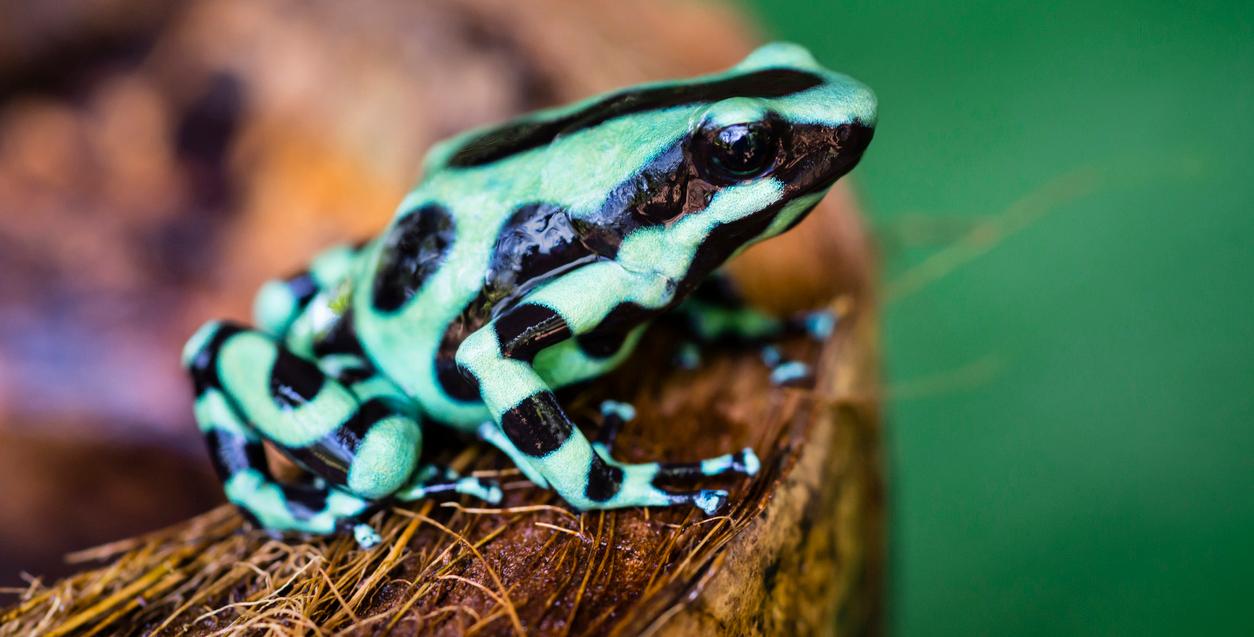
498,357
717,314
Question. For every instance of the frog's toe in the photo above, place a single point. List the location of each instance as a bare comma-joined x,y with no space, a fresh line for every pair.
487,490
791,374
494,494
746,462
710,501
366,536
614,415
819,325
687,356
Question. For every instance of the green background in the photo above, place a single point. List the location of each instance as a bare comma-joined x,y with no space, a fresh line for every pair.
1071,395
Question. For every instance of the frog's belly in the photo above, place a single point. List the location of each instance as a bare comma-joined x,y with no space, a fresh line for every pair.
404,345
406,354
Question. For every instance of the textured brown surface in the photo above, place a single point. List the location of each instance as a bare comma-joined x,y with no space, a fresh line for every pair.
798,552
153,178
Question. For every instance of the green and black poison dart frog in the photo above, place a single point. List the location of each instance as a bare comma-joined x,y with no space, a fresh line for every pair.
531,256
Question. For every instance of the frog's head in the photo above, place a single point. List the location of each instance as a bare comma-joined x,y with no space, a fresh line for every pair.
786,119
675,177
717,163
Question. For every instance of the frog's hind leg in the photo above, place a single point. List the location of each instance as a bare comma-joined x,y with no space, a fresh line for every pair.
239,459
280,301
250,388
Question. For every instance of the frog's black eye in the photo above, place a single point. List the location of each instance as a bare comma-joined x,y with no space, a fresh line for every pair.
741,151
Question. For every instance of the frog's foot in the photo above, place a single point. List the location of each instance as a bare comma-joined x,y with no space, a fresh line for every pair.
819,326
614,484
784,372
432,479
280,301
741,326
299,508
641,483
310,506
366,536
743,462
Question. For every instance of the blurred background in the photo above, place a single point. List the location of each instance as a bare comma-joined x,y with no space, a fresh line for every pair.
1063,194
1060,193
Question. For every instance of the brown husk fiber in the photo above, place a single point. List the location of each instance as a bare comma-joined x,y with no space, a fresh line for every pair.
456,567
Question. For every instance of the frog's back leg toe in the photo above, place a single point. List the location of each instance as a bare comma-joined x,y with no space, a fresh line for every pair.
432,479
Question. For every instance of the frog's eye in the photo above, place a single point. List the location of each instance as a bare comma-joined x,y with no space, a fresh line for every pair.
740,151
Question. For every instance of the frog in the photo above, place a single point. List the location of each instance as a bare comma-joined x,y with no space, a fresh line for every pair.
530,256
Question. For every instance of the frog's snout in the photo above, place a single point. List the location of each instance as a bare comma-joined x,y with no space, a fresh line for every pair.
852,140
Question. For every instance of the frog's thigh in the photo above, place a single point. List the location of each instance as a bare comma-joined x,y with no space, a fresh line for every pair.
366,446
239,458
575,360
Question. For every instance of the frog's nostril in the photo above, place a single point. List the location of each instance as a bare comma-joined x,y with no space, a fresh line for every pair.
853,138
850,140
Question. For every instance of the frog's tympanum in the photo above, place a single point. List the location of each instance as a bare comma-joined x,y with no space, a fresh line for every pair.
531,256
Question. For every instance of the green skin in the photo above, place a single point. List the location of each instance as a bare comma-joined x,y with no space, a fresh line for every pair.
531,256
